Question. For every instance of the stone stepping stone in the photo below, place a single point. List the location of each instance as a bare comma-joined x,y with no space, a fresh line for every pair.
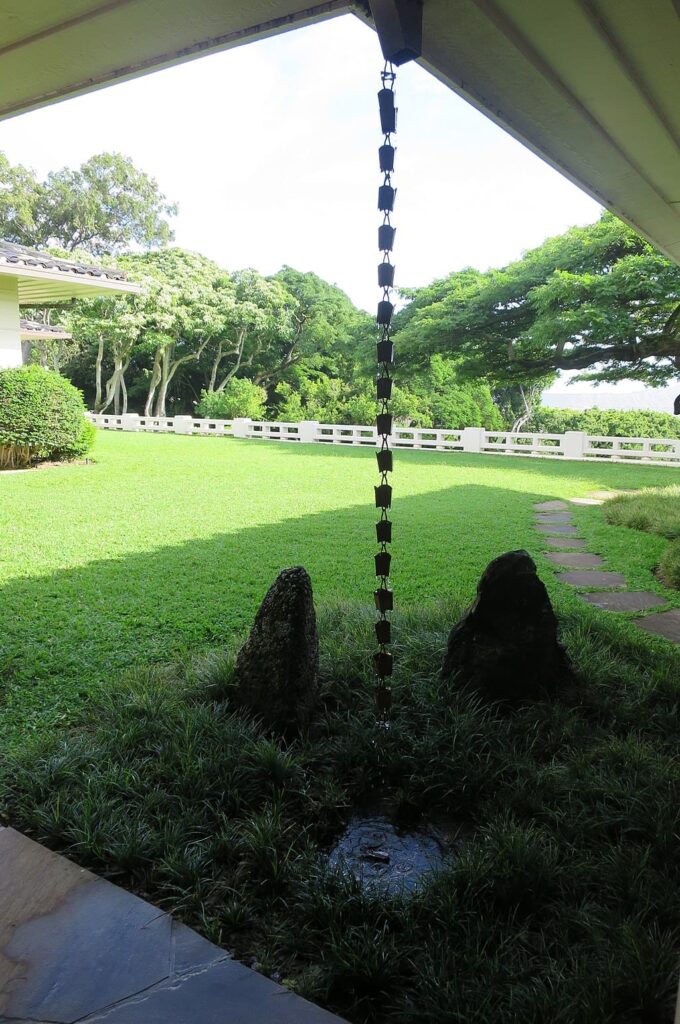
666,624
586,501
557,528
575,559
596,578
565,542
627,601
554,517
551,506
603,495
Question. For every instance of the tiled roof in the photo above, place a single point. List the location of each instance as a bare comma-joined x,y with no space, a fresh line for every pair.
33,327
20,256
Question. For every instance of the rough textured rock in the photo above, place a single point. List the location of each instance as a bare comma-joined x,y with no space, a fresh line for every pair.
276,673
506,644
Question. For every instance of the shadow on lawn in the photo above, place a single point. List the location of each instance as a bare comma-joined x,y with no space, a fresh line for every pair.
65,632
597,474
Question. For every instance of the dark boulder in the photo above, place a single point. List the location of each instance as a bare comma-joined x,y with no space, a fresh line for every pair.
506,644
276,674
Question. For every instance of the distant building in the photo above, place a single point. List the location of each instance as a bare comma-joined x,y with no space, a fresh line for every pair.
29,278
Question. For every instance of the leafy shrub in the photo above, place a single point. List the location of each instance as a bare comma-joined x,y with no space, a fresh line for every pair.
42,416
607,422
240,397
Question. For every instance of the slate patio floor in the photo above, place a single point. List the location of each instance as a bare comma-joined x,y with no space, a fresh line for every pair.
76,948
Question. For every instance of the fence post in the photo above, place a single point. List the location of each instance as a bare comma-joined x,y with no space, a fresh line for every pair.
240,426
574,444
129,421
472,438
307,431
183,424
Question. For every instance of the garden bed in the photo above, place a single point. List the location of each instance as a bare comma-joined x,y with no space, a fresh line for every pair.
562,903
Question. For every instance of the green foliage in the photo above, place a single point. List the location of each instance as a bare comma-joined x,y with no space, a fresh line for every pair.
654,511
598,299
562,889
240,397
105,206
41,417
609,422
458,403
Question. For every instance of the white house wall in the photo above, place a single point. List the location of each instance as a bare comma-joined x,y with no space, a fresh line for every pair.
10,339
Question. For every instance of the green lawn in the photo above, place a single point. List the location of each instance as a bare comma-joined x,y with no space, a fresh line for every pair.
167,544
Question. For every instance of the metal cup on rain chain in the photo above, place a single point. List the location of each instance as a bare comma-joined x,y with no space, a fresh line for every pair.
383,531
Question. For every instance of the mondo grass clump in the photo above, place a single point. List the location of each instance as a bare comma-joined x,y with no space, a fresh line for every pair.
653,510
563,904
42,416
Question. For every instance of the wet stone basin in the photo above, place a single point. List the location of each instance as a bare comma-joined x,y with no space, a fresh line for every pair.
380,855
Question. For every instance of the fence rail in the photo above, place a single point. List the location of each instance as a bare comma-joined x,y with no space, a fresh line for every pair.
571,445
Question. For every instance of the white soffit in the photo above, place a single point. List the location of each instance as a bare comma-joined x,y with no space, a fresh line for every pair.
592,86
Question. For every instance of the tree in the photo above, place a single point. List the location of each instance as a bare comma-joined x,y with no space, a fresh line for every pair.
104,207
257,333
329,331
186,300
111,328
599,300
19,196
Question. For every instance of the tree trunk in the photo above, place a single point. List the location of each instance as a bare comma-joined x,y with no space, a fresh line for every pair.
166,374
215,367
98,375
153,383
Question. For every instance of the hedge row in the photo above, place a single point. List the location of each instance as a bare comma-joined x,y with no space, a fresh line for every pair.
609,422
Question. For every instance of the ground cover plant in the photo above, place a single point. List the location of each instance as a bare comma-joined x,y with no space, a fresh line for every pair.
127,586
654,510
563,903
167,544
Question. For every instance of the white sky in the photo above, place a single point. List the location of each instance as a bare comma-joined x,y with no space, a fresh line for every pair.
271,152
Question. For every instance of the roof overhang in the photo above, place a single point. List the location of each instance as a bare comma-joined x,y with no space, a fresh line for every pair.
591,86
38,286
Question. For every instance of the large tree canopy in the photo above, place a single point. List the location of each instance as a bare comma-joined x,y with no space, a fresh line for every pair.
599,299
104,207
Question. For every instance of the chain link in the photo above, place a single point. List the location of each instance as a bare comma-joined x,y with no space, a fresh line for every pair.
383,659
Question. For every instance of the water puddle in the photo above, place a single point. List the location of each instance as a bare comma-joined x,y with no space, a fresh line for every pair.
382,855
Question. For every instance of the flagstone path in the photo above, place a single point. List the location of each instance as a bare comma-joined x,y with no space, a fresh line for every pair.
583,569
74,947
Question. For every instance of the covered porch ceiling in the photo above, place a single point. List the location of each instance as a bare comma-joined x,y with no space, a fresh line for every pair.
591,86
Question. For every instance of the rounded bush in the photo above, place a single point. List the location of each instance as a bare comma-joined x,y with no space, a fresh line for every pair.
241,397
42,416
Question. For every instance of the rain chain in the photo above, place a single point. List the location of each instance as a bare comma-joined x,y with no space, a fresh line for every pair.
384,600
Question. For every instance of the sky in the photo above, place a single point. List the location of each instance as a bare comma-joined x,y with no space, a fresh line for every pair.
270,150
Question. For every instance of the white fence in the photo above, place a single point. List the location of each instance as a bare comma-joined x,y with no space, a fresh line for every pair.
572,445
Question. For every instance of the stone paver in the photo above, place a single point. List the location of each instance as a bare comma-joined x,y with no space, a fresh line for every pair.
553,517
557,528
586,501
565,542
624,601
596,578
666,624
575,559
74,947
551,506
604,495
